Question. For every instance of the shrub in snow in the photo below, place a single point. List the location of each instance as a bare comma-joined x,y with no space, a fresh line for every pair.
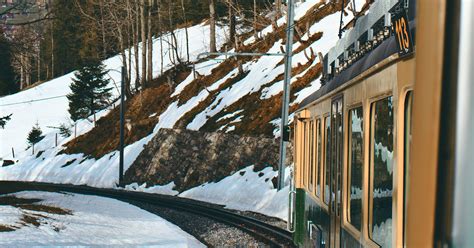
89,91
3,120
64,130
35,135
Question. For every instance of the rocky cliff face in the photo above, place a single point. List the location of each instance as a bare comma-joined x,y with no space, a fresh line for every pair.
190,158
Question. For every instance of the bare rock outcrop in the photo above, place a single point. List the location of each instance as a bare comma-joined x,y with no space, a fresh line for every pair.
190,158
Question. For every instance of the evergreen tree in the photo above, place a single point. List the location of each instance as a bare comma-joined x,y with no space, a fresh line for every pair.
3,120
89,91
64,130
35,135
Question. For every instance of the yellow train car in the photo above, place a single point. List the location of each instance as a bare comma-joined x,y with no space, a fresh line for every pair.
375,145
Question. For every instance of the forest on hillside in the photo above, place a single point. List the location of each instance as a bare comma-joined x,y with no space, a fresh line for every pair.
44,39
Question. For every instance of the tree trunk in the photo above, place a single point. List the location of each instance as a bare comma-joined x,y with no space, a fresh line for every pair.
38,64
28,70
174,55
52,50
232,21
278,8
22,73
185,30
143,27
255,24
150,42
136,34
212,23
130,38
102,26
160,24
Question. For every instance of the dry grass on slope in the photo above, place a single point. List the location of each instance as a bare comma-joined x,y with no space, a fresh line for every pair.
258,113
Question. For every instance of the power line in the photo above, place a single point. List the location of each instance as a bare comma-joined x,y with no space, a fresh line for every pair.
31,101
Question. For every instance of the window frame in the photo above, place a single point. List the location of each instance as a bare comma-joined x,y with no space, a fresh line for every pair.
310,186
325,166
319,156
371,150
353,230
407,128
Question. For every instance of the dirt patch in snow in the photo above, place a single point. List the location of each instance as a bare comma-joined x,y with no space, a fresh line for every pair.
202,82
6,229
33,213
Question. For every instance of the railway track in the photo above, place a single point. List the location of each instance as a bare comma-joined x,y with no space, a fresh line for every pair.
266,233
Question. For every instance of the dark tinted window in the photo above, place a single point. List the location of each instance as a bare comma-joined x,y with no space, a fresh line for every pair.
356,161
327,162
382,179
318,157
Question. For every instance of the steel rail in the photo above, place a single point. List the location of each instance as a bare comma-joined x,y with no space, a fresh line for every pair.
274,236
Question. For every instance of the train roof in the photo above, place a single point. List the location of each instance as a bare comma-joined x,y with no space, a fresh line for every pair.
384,50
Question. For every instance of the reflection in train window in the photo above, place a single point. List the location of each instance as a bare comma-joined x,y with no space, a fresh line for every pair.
327,162
408,135
311,155
318,157
356,161
382,178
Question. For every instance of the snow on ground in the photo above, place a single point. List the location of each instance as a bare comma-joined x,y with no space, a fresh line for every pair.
94,221
246,190
167,189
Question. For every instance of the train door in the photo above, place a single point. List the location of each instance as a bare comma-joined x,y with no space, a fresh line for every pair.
336,154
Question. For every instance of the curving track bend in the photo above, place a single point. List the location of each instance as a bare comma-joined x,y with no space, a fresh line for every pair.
268,234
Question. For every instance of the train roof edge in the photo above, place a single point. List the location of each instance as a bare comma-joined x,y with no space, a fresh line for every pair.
336,67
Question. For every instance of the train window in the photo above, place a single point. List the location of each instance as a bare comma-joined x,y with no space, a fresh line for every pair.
407,140
382,172
311,156
318,157
305,154
327,162
356,162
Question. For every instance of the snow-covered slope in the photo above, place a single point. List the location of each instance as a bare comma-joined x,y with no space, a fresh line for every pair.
262,77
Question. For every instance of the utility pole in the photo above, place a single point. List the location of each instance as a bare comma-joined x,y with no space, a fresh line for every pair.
122,116
286,92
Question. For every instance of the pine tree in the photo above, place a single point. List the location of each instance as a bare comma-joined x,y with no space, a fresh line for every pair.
89,91
64,130
4,120
35,135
